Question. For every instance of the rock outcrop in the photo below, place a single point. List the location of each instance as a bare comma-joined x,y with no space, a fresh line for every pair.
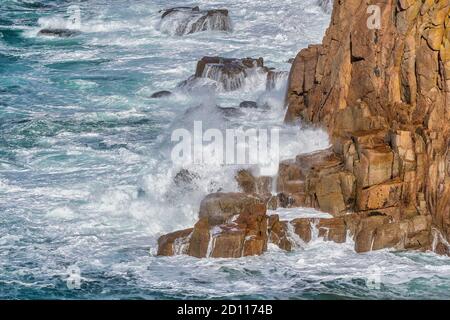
187,20
326,5
382,90
225,74
231,225
60,33
384,96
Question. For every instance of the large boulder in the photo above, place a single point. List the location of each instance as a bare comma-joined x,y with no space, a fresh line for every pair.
228,74
60,33
230,225
187,20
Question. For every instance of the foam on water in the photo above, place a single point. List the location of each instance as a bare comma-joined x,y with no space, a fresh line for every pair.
85,171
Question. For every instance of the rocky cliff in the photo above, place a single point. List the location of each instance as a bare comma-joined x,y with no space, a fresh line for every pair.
383,92
381,87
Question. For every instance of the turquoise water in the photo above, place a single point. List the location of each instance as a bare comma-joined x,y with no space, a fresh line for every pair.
85,173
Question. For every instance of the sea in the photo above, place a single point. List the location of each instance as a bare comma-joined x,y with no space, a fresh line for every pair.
87,181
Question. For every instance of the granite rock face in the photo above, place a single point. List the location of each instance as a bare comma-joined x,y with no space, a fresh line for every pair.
383,94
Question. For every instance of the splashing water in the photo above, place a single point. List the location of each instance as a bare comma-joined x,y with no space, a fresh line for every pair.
86,181
187,21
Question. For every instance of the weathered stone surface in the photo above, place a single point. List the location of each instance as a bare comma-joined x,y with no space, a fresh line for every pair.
230,225
380,196
278,233
61,33
200,239
274,78
366,230
302,227
381,232
329,194
384,97
228,243
187,20
248,104
248,183
333,229
174,243
219,208
326,186
290,177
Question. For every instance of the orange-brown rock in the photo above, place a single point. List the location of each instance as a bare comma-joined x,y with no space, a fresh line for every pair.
384,96
380,196
218,208
325,185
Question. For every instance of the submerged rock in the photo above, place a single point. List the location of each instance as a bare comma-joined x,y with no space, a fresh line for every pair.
187,20
161,94
62,33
